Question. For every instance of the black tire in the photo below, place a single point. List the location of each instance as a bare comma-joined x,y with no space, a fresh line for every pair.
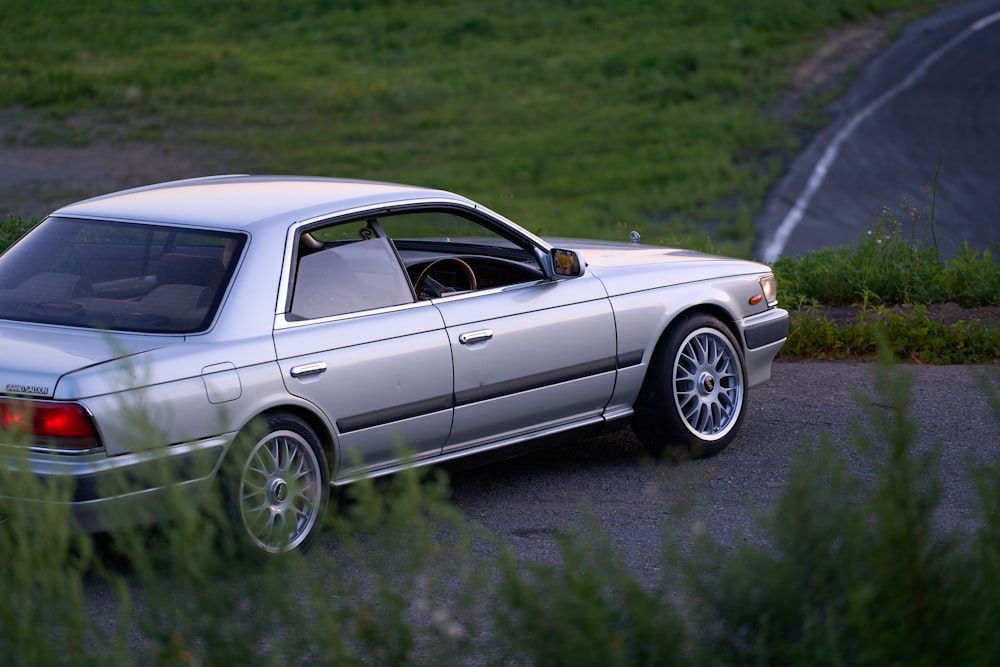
694,398
277,485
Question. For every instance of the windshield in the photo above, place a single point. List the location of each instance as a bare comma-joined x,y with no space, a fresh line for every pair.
116,275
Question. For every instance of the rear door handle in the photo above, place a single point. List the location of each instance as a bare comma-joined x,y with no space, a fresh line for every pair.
475,337
306,370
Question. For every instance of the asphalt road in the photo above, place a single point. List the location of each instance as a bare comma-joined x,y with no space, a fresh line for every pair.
927,107
530,499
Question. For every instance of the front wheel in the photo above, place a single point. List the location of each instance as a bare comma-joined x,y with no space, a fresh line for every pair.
694,398
278,485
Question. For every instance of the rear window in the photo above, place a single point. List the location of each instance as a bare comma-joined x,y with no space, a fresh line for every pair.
118,276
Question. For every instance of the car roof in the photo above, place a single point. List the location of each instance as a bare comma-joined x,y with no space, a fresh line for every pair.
242,201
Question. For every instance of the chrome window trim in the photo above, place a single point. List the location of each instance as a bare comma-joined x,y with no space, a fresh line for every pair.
291,238
281,321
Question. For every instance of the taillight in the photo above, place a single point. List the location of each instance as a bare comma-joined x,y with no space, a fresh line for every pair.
49,424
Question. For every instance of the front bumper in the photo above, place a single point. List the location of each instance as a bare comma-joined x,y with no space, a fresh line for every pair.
764,334
103,492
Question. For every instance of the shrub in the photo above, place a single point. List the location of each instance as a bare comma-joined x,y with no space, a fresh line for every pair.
857,573
885,266
910,332
12,228
587,610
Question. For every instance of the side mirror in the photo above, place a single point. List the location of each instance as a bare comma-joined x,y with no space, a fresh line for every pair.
566,263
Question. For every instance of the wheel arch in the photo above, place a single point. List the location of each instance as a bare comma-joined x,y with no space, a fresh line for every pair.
314,421
710,309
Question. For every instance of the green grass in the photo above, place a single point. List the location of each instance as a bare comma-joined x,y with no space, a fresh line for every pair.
574,117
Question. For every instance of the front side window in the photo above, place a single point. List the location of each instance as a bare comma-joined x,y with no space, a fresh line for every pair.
117,276
394,258
447,253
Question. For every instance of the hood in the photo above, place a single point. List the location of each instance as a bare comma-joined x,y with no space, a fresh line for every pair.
632,267
34,357
616,253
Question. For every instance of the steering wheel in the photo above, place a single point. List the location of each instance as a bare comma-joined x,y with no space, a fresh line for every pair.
426,283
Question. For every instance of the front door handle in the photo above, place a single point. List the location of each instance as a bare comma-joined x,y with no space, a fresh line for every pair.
306,370
474,337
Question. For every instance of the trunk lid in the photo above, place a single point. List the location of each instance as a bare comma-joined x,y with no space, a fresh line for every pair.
34,357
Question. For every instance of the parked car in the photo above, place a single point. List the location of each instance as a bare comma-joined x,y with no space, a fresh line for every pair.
309,332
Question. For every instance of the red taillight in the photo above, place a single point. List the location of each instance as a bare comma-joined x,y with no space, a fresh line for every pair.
48,423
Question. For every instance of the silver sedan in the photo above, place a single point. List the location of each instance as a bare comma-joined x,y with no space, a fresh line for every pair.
274,336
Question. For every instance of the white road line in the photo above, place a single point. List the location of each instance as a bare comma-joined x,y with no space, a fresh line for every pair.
776,245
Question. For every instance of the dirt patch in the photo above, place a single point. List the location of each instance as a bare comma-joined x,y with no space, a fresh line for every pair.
47,163
837,56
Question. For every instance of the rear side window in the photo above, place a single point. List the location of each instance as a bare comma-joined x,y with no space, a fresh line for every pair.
117,276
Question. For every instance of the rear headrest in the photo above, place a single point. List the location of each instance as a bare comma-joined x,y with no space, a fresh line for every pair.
181,269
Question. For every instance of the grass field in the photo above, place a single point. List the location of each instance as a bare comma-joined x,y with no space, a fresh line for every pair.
573,117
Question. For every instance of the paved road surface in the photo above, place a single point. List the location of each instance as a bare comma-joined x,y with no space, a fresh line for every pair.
931,97
528,500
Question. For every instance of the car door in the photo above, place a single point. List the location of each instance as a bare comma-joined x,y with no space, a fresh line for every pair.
529,357
355,343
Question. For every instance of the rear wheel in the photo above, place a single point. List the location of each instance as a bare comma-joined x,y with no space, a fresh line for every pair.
278,485
694,398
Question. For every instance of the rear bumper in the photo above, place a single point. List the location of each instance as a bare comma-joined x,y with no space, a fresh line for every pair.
103,492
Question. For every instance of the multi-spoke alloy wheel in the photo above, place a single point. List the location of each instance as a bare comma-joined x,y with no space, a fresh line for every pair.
694,397
281,491
708,383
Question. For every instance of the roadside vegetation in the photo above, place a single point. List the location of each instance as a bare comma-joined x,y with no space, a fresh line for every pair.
855,571
584,118
892,283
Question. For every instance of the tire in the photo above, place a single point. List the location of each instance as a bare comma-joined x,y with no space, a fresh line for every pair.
694,398
277,485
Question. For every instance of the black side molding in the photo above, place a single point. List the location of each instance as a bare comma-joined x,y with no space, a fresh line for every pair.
766,333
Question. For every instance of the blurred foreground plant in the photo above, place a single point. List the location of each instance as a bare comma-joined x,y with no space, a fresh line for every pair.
858,571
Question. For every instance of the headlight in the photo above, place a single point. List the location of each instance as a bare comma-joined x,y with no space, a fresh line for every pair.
769,287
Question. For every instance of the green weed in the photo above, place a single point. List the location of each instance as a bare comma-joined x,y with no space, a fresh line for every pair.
587,610
909,332
890,277
889,266
12,228
857,572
